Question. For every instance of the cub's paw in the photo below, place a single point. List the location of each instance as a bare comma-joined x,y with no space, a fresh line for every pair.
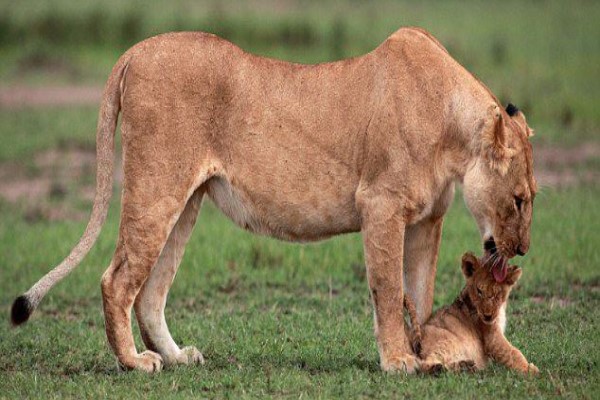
147,361
432,368
466,366
407,364
190,355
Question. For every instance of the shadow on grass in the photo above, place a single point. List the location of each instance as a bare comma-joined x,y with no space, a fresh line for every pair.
306,363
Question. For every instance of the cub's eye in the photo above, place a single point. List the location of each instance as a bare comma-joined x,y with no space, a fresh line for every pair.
479,292
518,202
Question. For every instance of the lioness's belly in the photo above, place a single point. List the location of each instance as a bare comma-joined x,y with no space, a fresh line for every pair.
283,214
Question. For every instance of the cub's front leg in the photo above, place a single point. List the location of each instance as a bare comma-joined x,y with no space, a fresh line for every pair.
501,350
383,238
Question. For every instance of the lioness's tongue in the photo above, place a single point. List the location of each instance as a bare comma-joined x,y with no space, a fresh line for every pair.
500,271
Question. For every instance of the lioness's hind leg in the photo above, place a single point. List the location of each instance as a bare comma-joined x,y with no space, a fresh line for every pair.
150,302
119,287
146,223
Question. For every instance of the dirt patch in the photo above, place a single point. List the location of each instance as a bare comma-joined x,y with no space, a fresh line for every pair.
561,167
556,157
593,286
54,185
552,302
21,96
61,178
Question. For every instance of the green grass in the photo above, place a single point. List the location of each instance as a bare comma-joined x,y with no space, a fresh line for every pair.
276,319
26,132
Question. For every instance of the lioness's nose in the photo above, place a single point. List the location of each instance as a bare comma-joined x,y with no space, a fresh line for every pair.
487,317
521,251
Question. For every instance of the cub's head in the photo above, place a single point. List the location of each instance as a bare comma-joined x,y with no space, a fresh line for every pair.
487,294
499,186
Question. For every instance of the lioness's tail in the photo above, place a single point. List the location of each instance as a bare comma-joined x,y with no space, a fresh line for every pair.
25,304
415,334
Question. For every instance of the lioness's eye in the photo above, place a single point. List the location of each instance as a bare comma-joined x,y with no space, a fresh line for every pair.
479,292
518,202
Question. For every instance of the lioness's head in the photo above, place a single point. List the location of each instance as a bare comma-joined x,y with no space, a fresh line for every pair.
486,294
499,186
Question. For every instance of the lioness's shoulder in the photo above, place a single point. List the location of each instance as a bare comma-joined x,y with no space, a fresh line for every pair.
415,37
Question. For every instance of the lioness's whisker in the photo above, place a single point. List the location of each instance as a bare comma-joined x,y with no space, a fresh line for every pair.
492,259
488,258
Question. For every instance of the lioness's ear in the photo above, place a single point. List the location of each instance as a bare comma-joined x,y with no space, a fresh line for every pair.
470,263
513,275
518,116
511,110
494,144
530,132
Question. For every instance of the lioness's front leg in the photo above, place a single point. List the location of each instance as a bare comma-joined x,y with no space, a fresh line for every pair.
421,249
383,237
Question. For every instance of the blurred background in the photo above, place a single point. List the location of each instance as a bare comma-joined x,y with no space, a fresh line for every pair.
544,56
259,307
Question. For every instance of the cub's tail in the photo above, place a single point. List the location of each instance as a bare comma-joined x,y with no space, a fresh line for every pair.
415,334
25,304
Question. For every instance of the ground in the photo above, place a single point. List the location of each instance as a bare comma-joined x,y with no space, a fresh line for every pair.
277,320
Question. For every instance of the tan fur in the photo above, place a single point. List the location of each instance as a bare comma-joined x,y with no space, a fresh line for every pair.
413,331
300,152
469,332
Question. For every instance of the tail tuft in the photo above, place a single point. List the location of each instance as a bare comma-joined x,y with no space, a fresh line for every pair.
21,310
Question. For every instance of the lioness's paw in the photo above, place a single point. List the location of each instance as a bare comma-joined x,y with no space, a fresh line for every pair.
191,355
532,369
407,364
147,361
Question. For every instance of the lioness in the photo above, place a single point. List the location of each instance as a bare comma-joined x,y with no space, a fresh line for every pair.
470,331
299,152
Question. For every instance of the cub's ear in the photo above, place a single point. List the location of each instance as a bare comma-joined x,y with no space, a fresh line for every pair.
494,143
513,275
470,264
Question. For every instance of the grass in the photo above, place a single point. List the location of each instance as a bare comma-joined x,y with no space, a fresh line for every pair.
26,132
280,320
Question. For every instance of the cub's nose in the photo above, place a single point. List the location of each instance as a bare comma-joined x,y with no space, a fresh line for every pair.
521,251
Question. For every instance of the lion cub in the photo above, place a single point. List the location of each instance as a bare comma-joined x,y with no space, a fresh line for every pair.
469,332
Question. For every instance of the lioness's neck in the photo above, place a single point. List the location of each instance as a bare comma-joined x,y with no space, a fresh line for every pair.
470,112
